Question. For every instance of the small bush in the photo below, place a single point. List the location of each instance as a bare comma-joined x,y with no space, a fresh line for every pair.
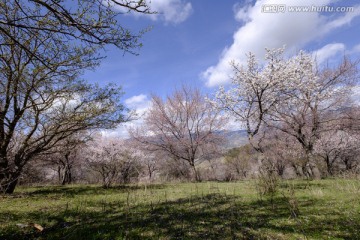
267,181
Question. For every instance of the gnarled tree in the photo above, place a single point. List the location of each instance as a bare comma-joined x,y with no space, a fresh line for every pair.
185,126
42,101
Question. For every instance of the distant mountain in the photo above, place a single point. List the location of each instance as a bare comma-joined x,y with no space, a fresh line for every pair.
235,138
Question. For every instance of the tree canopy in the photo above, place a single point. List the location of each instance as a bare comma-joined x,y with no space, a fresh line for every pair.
89,24
44,48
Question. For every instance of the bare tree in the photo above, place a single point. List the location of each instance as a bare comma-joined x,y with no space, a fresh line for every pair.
151,164
182,126
41,106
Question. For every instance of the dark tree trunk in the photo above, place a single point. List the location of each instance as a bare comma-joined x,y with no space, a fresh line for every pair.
59,174
8,182
150,172
329,166
280,168
67,178
9,176
349,163
297,170
196,173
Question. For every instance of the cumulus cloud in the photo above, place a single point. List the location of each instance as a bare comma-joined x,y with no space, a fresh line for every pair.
241,11
341,21
170,11
273,30
135,101
328,51
140,104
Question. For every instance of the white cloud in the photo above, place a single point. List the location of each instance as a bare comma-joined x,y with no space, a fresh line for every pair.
328,51
241,12
135,101
170,11
140,104
345,19
273,30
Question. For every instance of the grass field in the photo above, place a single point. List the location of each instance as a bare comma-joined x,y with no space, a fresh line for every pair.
321,209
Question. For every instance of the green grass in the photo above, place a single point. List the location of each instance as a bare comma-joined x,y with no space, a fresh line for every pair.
328,209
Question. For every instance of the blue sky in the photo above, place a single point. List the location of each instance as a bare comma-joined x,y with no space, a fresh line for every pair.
193,41
173,52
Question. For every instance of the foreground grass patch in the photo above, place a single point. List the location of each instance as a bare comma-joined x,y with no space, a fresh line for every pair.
328,209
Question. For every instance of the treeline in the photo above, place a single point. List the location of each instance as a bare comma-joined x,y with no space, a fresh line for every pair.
298,115
301,121
110,160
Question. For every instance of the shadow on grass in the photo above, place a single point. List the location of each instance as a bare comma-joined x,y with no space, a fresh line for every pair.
84,190
302,185
212,216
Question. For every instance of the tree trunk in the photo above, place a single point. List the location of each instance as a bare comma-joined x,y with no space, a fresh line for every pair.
8,182
348,164
306,167
297,171
59,174
9,176
196,173
150,173
67,178
67,175
329,166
